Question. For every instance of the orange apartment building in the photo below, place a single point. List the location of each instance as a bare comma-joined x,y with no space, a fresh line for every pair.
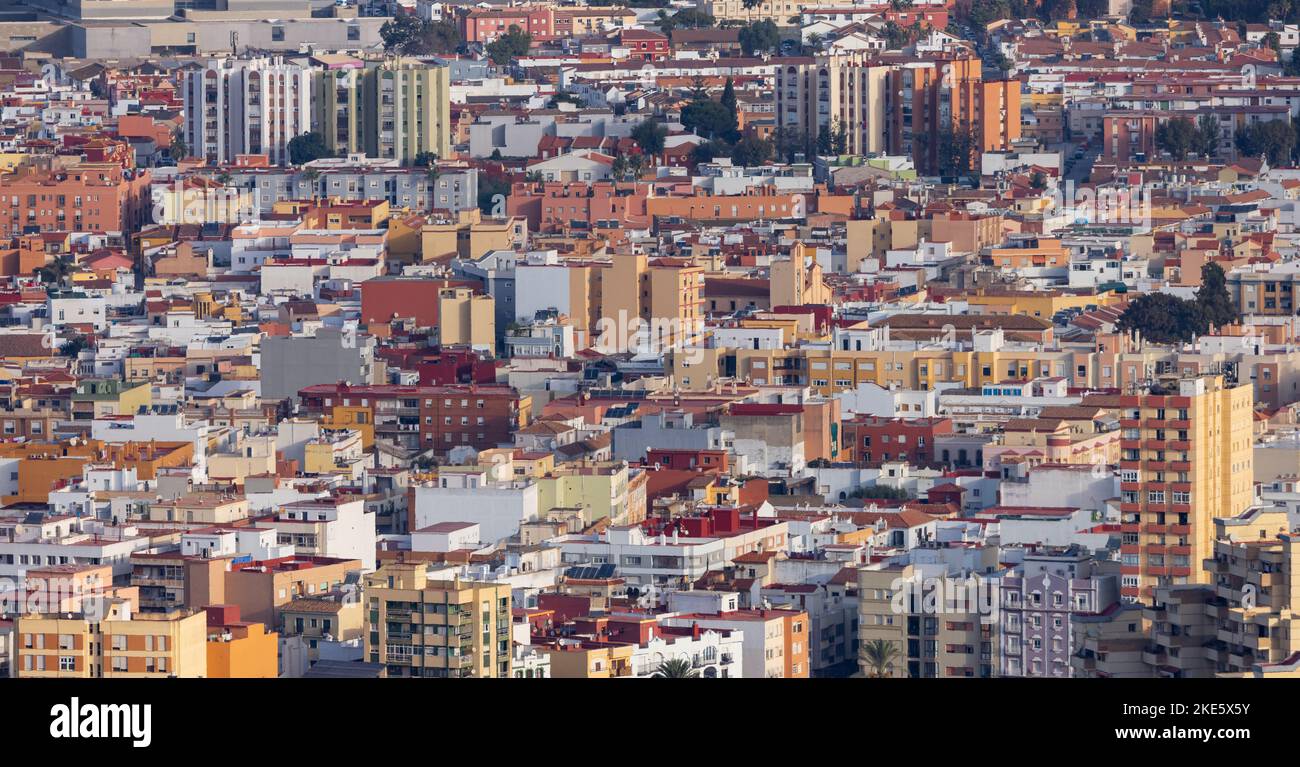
239,649
1186,458
930,97
95,197
42,467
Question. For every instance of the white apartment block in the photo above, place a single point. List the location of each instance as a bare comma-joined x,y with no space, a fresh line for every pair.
235,107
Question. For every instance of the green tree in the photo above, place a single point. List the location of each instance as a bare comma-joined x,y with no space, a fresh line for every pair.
513,44
1274,140
788,142
73,346
1213,299
1038,180
710,151
425,160
880,656
760,37
955,151
709,118
896,37
54,272
839,137
882,493
665,23
1177,136
984,12
751,151
1163,318
442,36
677,668
650,135
1207,136
728,99
1292,68
180,150
693,18
307,147
402,34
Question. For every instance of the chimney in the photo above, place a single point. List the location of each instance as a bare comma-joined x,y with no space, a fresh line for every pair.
695,630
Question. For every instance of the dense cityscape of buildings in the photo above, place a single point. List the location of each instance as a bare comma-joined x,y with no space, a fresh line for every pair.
717,339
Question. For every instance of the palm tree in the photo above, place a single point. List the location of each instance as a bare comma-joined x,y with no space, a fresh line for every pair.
880,655
54,271
678,668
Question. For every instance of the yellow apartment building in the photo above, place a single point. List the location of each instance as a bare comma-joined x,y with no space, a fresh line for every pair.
199,508
316,618
1186,458
929,644
606,489
665,293
419,627
466,319
798,280
119,644
1254,576
471,237
589,660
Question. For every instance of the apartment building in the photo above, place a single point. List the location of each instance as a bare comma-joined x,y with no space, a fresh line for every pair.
774,643
392,110
340,527
778,11
1111,644
843,91
483,25
466,318
116,644
262,588
251,106
931,98
1039,602
946,639
419,627
650,304
239,649
1186,458
329,623
430,417
1182,623
86,197
1255,585
1270,289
